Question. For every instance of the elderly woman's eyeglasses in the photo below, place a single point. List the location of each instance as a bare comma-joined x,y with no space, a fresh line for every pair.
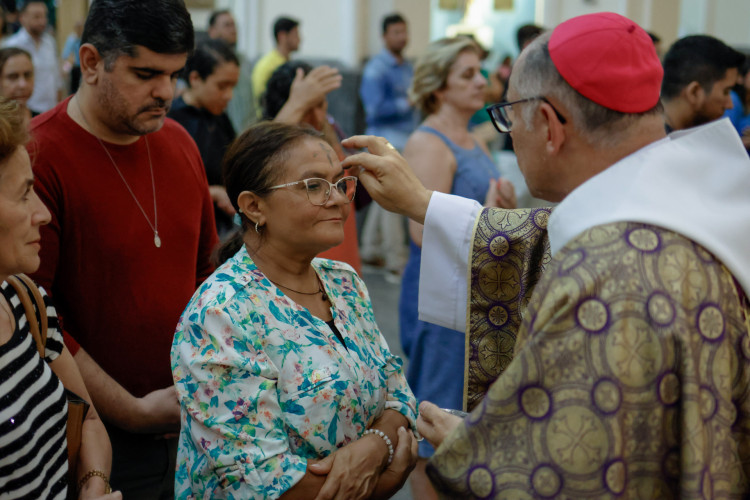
319,190
499,113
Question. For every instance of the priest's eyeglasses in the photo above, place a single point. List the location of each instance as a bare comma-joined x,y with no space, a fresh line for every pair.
499,113
319,190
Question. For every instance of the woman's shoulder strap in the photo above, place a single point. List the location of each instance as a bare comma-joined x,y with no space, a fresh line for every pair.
29,295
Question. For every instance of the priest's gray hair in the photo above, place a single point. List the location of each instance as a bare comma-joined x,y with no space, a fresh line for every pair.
538,76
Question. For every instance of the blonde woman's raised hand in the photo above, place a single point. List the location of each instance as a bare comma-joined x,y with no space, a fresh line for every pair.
307,91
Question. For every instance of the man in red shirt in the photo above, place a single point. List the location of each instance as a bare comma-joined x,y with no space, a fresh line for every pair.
132,227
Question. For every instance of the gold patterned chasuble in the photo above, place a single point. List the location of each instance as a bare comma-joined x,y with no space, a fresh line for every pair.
630,376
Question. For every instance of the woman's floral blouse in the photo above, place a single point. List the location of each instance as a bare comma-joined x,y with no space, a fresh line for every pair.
264,385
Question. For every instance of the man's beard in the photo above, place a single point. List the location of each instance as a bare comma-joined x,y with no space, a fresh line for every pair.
113,101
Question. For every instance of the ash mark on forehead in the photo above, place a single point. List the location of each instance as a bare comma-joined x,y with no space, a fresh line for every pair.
327,150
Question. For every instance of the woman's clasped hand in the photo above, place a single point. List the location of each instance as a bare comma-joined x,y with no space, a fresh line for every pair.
360,470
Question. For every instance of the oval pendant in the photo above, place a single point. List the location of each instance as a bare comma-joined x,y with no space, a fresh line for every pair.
157,240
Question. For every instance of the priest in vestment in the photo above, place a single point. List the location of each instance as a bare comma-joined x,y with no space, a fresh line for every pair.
608,340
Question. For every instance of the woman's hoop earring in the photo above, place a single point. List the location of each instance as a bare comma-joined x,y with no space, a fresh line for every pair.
256,227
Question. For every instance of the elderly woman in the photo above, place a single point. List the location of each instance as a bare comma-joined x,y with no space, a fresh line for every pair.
448,88
33,410
17,78
287,387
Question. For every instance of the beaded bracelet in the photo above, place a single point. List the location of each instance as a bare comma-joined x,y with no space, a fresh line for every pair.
387,440
92,473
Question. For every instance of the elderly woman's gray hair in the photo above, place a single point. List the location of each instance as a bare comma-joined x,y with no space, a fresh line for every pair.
432,68
13,131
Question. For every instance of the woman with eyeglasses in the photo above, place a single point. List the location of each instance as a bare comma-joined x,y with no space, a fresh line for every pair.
287,387
296,93
448,88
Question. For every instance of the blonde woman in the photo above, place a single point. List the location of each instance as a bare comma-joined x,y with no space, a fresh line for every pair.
448,88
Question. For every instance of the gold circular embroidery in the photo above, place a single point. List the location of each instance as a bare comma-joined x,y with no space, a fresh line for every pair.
481,482
592,315
660,309
498,316
495,352
644,239
606,396
633,352
541,218
546,482
683,275
499,282
577,440
499,246
711,322
669,389
615,477
535,402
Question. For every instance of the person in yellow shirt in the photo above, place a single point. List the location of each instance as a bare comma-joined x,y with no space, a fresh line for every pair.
286,34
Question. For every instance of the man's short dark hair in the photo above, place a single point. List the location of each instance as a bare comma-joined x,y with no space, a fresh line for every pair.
215,15
527,33
26,4
207,56
283,25
117,27
697,58
394,18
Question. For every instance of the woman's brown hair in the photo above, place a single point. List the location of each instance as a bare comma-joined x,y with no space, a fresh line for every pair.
254,162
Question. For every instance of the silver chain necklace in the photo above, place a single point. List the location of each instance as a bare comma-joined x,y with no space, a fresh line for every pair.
155,225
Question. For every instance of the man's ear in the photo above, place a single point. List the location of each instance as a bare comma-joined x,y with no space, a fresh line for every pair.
694,94
555,130
252,206
91,63
193,78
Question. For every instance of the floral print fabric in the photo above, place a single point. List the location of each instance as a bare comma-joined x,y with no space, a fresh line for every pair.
264,385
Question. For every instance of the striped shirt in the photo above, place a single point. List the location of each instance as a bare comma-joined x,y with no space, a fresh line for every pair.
33,411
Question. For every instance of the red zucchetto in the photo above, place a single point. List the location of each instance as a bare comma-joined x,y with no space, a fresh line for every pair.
609,59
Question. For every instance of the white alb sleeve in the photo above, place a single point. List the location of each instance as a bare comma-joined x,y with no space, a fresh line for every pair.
446,244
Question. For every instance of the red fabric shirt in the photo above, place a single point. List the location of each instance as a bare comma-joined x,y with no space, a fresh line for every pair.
118,295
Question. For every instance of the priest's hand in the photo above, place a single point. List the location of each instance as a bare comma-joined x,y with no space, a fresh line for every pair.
435,424
387,177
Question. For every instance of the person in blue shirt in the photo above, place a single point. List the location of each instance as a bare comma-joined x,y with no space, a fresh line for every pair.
739,115
71,61
385,83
